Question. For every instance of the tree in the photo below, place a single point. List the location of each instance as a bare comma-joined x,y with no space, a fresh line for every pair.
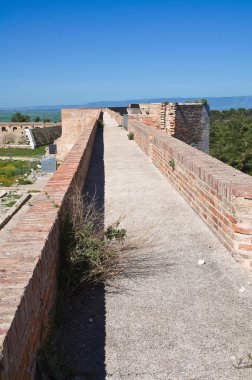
18,117
46,120
37,119
231,138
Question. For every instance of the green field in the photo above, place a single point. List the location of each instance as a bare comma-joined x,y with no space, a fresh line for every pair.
12,172
22,152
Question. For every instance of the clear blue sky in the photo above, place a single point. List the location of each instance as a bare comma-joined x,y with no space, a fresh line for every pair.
76,51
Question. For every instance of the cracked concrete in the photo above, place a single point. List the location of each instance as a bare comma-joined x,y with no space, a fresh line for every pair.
176,319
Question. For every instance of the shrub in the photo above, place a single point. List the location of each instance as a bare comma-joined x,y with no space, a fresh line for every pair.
24,181
172,163
89,253
131,135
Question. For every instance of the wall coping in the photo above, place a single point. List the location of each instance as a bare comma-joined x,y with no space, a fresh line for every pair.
230,181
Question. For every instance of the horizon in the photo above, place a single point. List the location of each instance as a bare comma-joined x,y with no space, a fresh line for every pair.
122,100
80,53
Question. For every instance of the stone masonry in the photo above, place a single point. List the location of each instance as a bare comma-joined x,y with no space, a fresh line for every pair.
188,122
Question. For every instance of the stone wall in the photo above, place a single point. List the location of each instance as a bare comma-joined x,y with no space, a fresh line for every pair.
74,122
188,122
44,136
28,265
154,110
116,114
15,133
220,194
192,124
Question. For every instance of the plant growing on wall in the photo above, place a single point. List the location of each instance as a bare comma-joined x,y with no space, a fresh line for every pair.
131,135
172,164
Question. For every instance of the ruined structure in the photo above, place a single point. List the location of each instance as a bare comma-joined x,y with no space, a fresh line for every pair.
219,194
28,134
188,122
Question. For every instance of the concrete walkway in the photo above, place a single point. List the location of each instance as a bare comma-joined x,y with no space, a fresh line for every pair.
170,318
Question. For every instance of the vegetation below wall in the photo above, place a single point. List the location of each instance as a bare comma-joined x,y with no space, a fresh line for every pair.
23,152
12,172
231,138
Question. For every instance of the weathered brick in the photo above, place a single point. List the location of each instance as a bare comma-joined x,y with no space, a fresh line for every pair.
29,262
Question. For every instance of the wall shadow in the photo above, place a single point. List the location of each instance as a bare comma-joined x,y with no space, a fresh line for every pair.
90,303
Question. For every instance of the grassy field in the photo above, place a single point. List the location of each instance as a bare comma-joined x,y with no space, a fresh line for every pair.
12,172
22,152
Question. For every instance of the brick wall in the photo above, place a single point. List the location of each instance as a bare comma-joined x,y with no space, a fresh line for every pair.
221,195
116,113
155,111
188,122
28,265
191,125
74,122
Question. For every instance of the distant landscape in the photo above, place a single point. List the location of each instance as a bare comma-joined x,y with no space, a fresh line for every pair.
53,112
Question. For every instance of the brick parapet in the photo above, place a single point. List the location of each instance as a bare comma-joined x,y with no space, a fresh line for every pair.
220,194
188,122
28,265
117,116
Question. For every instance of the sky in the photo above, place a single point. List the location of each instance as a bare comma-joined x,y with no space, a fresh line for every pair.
77,51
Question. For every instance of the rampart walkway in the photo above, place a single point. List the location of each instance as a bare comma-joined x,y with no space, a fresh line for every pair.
172,319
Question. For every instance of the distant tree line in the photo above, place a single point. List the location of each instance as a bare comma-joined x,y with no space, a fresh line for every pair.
231,138
19,117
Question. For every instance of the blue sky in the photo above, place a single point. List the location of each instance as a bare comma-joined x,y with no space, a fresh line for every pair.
72,52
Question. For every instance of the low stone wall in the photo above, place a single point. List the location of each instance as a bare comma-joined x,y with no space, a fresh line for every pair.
28,266
220,194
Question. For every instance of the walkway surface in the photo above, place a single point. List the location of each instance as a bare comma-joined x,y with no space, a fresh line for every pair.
170,318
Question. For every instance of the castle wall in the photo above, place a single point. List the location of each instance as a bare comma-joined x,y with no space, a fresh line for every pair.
74,122
28,265
188,122
220,194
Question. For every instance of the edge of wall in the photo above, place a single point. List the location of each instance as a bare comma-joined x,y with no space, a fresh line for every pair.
220,194
28,266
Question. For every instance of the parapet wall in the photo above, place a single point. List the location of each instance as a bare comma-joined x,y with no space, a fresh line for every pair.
221,195
28,265
115,113
74,122
188,122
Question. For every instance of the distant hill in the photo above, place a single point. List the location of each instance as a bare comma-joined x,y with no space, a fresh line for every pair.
53,112
222,103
